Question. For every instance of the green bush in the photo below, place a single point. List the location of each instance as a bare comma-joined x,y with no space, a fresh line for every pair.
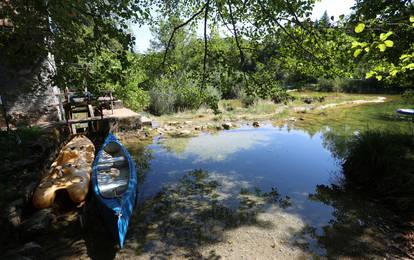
178,93
188,97
381,164
134,97
247,100
408,96
279,95
163,98
211,98
347,85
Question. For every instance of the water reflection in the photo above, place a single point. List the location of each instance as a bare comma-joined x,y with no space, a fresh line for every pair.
215,147
271,189
358,229
192,213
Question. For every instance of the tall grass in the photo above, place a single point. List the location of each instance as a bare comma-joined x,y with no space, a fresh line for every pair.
381,164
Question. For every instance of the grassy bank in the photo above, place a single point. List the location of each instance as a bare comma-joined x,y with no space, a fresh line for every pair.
237,110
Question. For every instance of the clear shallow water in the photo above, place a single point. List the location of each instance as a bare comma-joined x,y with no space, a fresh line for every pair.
191,186
250,158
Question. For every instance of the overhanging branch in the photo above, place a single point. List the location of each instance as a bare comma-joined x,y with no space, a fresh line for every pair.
177,28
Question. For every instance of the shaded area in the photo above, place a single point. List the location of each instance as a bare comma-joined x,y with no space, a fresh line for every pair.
184,217
359,228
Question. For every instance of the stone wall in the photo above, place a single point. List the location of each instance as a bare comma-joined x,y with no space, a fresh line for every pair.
28,94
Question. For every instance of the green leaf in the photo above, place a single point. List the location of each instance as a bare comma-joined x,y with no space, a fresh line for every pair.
412,19
355,44
410,66
370,74
404,57
357,52
360,27
384,36
393,73
389,43
367,49
382,47
379,77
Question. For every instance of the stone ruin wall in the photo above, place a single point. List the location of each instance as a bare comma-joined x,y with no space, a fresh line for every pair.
29,95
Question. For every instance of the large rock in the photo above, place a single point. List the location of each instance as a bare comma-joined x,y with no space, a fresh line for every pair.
144,121
38,223
227,125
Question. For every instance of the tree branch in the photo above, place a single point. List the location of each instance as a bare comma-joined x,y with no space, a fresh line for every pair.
205,42
288,34
176,28
236,36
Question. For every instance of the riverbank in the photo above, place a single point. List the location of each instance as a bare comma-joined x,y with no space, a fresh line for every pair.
233,114
60,232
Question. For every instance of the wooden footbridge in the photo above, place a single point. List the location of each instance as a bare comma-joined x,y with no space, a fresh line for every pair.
82,111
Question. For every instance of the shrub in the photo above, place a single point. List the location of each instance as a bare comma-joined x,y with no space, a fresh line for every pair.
134,97
212,97
408,96
381,164
162,100
247,100
188,97
279,95
177,93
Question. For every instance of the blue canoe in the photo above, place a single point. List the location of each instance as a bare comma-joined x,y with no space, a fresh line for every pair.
405,111
114,182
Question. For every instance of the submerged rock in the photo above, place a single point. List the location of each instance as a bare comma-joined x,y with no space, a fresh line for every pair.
173,123
184,133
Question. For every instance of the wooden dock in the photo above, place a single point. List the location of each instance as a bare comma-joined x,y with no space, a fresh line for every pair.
83,112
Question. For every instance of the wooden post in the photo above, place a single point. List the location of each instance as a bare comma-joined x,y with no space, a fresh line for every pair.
3,104
112,102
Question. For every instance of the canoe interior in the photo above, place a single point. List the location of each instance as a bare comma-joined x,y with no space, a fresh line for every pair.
113,172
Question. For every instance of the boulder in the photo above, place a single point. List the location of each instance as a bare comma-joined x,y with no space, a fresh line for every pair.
144,121
256,124
307,100
226,125
173,123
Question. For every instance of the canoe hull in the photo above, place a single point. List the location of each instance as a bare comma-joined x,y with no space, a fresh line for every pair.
407,112
116,212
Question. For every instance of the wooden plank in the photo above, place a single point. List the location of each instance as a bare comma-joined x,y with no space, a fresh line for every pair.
91,113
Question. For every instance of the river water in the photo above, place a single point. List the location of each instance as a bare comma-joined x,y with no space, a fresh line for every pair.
272,192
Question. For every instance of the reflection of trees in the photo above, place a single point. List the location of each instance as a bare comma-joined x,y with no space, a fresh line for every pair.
142,156
358,228
192,213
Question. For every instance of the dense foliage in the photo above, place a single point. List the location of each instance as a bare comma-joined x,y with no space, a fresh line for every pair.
249,49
